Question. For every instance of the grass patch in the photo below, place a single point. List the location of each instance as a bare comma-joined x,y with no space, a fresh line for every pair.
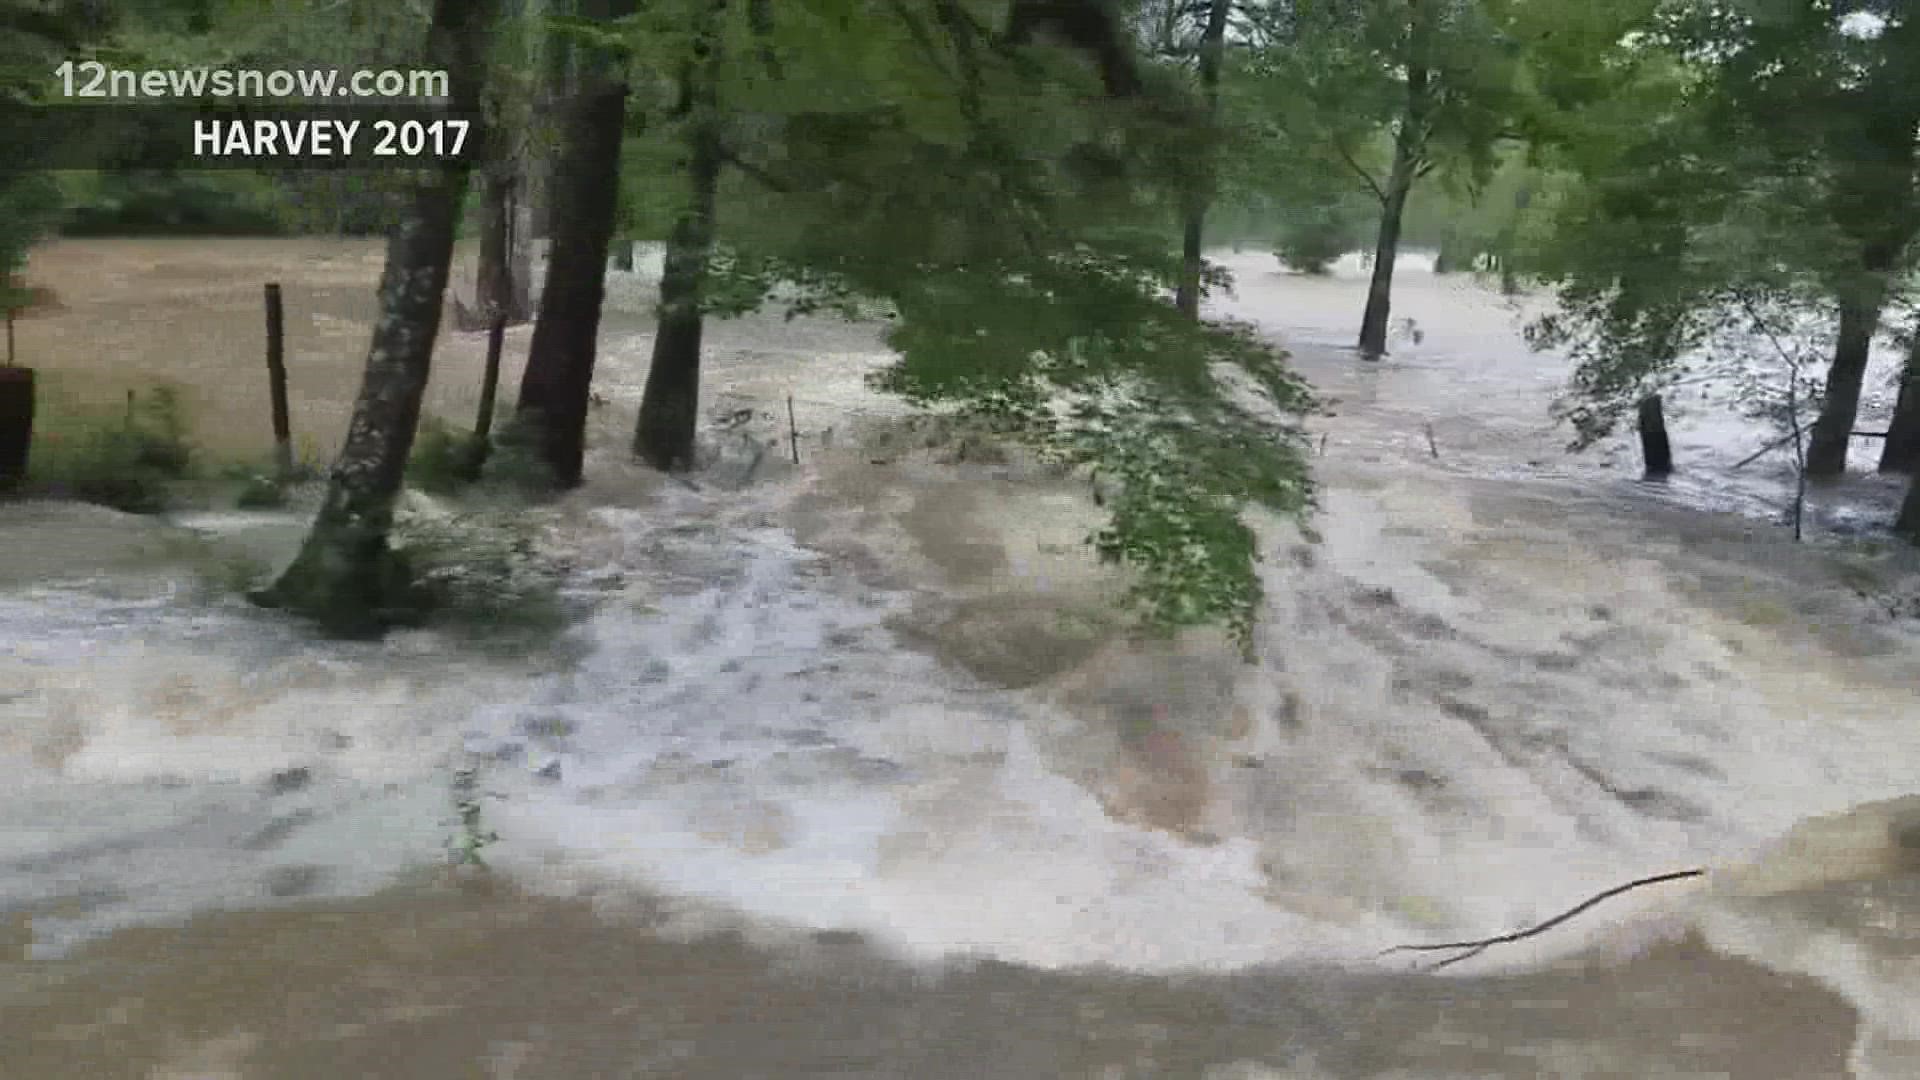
132,460
447,460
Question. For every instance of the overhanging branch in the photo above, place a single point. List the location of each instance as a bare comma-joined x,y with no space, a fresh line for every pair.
1360,170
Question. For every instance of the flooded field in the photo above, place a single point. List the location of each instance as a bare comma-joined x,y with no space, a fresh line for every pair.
850,773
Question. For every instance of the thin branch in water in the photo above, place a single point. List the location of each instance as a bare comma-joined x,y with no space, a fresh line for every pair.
1475,948
1793,415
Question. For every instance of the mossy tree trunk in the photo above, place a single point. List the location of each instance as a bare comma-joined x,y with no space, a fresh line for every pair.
557,385
346,577
670,404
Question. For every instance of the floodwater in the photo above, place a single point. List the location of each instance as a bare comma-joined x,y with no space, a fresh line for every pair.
850,774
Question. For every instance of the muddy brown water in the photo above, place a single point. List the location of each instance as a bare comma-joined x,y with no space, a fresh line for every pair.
1798,965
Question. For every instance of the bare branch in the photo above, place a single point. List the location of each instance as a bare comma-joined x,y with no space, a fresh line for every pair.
777,184
1475,948
1359,170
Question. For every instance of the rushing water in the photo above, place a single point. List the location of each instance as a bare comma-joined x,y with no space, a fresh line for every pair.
858,778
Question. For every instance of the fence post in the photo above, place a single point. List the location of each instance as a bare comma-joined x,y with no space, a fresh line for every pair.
277,382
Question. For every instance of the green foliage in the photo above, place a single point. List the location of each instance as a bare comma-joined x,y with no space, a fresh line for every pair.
130,462
260,492
444,460
29,205
155,201
447,460
1082,358
1015,222
1713,166
1312,239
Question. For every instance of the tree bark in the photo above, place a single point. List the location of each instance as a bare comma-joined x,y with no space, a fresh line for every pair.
345,576
1409,147
1832,433
1901,452
669,406
502,248
1373,323
557,384
1193,233
1908,524
1655,449
554,87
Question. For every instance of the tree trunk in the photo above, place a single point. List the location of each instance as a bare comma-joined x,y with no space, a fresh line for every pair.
557,385
502,248
1373,324
1901,452
670,404
345,576
1832,433
1655,449
554,69
1193,233
1908,524
1409,147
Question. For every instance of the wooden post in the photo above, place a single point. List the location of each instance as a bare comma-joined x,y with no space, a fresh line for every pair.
1654,447
793,430
16,423
489,392
277,382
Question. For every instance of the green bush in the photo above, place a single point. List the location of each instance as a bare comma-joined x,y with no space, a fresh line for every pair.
129,463
1314,246
1312,240
162,202
259,492
445,458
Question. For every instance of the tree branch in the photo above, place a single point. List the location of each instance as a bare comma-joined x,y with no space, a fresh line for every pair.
777,184
1475,948
1360,171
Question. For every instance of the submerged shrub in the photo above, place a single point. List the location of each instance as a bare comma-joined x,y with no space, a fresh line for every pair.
129,463
445,458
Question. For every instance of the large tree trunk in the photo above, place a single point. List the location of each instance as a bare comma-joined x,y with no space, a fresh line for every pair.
1193,234
345,576
1901,454
670,405
501,278
558,381
1832,433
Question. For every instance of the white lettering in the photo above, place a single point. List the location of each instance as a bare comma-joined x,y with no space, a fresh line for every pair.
206,137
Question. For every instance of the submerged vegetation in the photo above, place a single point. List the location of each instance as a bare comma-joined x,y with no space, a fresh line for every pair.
1027,188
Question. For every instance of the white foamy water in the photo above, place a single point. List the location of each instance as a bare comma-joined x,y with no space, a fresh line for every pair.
1471,711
